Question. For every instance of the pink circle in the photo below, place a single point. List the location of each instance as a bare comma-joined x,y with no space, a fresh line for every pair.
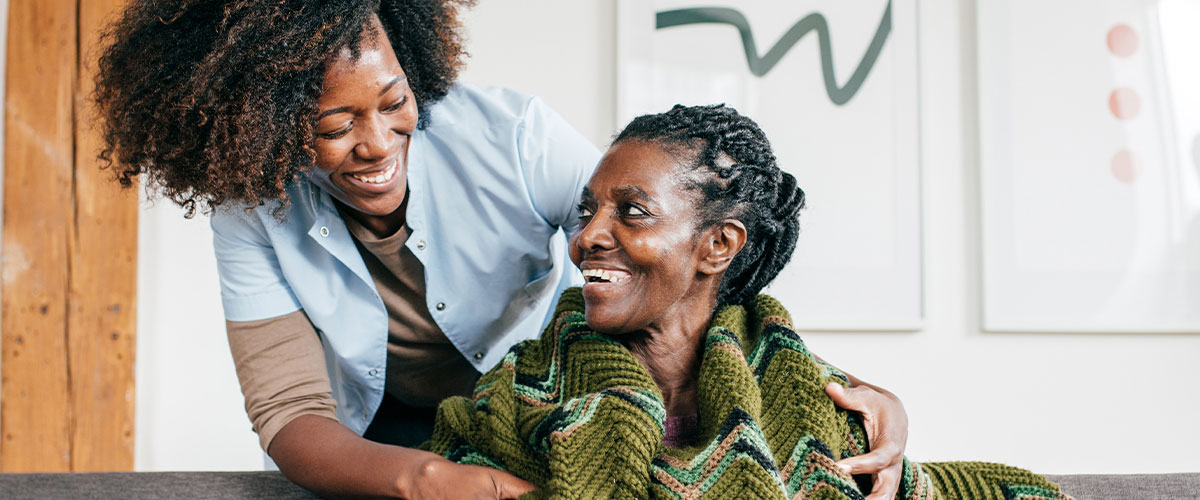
1122,40
1125,167
1124,103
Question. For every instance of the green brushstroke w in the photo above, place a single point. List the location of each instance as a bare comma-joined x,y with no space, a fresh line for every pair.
760,66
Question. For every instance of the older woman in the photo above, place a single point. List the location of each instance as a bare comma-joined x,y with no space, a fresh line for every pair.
667,375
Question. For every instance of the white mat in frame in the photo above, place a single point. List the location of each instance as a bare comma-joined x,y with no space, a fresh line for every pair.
1090,158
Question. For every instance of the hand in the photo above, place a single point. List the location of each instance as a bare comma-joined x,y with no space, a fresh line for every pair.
887,430
438,478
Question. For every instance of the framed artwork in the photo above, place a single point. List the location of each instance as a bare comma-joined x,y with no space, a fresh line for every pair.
834,86
1090,165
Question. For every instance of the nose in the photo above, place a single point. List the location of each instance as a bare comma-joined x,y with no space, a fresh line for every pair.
375,138
595,236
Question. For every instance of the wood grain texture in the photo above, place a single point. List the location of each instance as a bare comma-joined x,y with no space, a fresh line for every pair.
69,257
35,403
103,286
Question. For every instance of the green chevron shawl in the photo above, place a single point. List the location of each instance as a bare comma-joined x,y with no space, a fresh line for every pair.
576,414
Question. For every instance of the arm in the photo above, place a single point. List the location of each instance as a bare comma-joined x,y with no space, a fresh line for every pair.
281,368
886,424
324,456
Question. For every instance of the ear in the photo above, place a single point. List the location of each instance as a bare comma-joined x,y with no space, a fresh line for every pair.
720,245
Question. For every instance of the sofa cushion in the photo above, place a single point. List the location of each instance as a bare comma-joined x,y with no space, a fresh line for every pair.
1130,486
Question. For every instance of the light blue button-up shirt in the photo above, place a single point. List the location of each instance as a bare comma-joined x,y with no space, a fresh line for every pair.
493,181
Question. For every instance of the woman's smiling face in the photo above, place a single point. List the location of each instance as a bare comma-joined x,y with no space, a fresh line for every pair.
637,244
367,115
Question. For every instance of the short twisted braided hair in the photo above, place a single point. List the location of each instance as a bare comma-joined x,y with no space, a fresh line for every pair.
216,101
734,170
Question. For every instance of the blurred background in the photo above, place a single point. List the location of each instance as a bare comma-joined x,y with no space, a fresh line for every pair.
1004,221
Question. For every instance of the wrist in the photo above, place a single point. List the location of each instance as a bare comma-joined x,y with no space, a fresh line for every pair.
419,466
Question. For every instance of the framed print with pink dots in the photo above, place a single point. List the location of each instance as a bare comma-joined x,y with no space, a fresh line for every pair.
1090,165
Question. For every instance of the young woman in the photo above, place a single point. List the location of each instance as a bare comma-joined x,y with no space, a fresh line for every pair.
383,234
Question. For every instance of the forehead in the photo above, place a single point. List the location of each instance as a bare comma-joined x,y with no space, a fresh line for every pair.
647,166
375,65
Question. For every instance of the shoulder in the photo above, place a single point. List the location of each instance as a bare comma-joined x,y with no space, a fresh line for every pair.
480,105
269,219
772,332
568,315
568,318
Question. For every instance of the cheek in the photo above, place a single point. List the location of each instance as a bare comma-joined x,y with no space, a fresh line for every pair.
411,117
666,252
330,154
573,249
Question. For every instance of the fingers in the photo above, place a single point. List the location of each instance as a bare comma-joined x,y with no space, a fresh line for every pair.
884,417
887,483
510,486
871,463
847,399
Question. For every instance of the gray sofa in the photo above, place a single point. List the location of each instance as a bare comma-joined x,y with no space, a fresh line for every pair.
272,485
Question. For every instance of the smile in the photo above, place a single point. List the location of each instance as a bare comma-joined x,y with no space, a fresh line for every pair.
380,177
604,275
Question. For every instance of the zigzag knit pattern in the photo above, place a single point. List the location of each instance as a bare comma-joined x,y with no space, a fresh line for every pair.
576,414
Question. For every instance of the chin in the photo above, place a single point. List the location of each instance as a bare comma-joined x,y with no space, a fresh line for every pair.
380,207
605,323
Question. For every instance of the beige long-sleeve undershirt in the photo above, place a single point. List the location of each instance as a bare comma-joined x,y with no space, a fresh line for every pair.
281,365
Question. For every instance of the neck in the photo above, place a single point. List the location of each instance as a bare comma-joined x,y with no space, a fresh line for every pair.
381,226
672,355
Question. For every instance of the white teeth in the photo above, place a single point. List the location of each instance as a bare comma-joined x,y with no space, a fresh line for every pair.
382,177
605,275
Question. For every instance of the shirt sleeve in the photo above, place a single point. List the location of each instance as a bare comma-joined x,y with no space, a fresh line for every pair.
252,283
281,368
557,162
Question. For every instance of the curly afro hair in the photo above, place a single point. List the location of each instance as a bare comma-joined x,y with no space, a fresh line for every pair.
215,101
735,172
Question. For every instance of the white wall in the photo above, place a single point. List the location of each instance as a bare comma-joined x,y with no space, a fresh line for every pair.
1054,403
189,405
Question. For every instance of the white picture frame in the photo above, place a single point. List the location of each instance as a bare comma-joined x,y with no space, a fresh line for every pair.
846,125
1090,165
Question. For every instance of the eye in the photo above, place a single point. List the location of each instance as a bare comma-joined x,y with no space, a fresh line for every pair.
399,104
633,210
585,213
335,134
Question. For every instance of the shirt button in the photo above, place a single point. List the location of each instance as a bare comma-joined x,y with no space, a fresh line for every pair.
421,245
441,306
373,372
479,355
324,231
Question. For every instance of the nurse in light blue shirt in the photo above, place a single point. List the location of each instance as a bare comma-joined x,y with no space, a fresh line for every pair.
487,189
485,180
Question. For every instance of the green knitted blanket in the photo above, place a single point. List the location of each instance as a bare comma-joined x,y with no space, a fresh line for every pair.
576,414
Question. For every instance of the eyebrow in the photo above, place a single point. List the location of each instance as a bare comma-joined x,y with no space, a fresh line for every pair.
333,111
392,83
344,109
632,192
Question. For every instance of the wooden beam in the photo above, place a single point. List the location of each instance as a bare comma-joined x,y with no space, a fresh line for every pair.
35,403
68,297
102,322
